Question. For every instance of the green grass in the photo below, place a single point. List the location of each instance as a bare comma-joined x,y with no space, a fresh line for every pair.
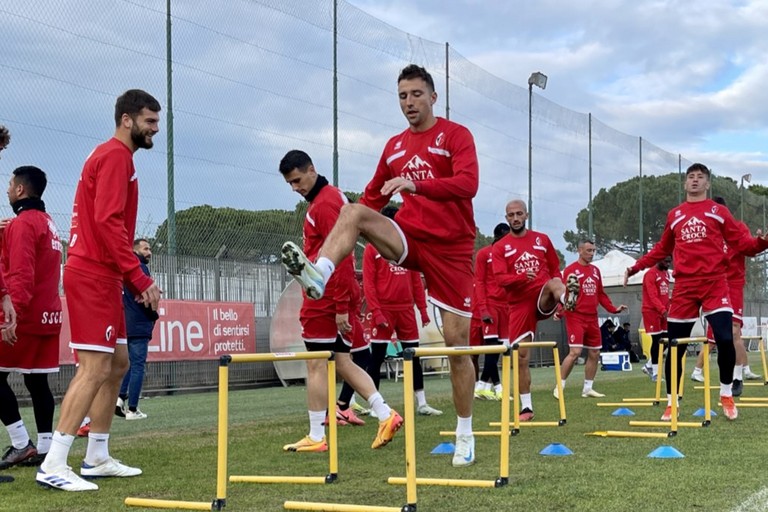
176,447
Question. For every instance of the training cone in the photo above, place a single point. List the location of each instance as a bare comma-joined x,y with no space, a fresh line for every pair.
556,449
443,449
665,452
701,412
623,411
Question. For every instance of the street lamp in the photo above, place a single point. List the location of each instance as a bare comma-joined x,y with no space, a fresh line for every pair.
748,179
538,79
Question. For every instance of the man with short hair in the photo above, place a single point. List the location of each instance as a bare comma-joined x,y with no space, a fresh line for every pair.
433,165
139,322
581,322
736,276
99,261
490,307
655,310
31,256
527,267
325,322
694,235
7,306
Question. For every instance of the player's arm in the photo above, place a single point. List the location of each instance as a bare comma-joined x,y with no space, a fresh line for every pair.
481,276
419,296
660,251
370,270
605,300
109,213
553,262
372,196
501,272
19,243
746,244
465,180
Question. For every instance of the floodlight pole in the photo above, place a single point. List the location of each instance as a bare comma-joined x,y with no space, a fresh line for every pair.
538,79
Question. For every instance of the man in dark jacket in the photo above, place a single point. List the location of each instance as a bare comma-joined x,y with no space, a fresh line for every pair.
139,322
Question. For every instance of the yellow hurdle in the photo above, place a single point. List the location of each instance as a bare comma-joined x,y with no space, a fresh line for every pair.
411,481
223,428
516,423
674,424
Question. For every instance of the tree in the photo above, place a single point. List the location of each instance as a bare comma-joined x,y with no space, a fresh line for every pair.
245,235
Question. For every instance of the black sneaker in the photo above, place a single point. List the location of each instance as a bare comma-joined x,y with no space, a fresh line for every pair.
13,456
35,460
738,387
5,479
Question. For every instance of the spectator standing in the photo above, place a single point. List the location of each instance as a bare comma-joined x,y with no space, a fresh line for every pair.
139,323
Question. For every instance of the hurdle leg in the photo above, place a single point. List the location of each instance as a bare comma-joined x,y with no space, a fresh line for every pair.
333,428
223,436
410,431
673,378
559,384
504,445
515,389
707,387
763,359
660,367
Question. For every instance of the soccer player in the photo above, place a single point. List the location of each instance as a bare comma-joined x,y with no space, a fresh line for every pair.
736,276
99,261
491,306
390,293
433,165
694,234
31,257
654,310
581,323
526,266
325,321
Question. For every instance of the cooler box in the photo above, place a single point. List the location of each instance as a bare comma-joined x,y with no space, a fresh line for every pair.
615,362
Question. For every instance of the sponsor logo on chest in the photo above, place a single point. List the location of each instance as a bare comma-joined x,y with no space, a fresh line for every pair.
417,169
527,262
693,230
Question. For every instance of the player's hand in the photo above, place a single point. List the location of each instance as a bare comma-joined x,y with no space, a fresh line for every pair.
342,322
531,275
397,185
424,319
626,277
8,311
4,224
9,334
380,320
150,297
556,316
623,307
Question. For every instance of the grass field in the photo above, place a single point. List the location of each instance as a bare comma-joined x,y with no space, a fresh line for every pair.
723,468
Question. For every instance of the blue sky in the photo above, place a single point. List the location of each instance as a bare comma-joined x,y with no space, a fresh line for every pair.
689,76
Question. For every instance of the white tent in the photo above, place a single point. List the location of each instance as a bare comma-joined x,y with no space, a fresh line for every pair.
613,266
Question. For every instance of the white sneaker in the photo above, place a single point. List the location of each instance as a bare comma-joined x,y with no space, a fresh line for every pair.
298,265
648,370
697,377
426,410
135,415
120,407
464,454
555,394
64,479
591,394
110,467
750,375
